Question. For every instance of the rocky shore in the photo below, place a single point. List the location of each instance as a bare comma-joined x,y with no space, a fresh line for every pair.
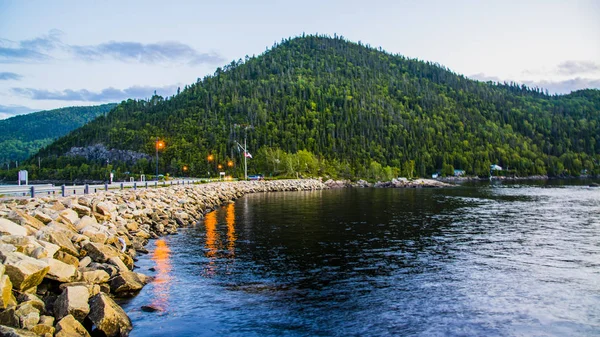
64,260
394,183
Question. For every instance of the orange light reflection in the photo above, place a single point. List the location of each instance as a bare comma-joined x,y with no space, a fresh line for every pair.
211,234
230,219
162,281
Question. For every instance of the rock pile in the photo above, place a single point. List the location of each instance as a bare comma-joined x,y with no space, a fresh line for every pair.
394,183
65,259
416,183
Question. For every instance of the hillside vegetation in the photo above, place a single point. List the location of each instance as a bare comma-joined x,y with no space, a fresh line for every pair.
22,136
325,106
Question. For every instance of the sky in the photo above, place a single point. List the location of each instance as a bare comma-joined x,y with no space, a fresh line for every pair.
71,53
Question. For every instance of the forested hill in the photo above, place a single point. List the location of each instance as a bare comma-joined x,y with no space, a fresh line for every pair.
326,106
22,136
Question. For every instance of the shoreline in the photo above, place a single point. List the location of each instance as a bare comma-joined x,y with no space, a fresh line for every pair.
64,259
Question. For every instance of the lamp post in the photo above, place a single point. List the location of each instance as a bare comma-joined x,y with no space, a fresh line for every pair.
185,168
159,146
210,158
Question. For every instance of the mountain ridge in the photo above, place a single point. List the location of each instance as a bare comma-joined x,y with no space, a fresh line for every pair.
23,135
356,110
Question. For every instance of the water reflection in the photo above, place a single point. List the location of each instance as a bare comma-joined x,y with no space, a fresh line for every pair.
162,281
230,219
210,222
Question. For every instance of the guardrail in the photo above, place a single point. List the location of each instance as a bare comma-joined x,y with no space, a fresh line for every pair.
65,190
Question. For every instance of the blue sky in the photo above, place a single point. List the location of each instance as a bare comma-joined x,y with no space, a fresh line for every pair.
64,53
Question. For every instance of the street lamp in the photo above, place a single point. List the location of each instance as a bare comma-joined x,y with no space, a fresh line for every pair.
230,163
185,168
159,146
219,166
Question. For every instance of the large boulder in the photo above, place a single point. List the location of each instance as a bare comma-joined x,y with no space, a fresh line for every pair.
100,252
68,217
60,271
95,233
72,301
6,296
24,272
43,217
50,248
81,210
85,221
108,317
13,332
67,258
58,237
95,276
25,219
24,244
8,227
106,208
68,326
126,282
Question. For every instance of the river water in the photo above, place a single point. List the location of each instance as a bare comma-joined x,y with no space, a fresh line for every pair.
493,260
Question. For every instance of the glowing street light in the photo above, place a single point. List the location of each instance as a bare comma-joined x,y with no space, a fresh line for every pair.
220,166
230,163
159,146
210,157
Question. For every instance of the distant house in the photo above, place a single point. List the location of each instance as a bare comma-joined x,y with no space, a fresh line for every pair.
495,167
435,175
458,173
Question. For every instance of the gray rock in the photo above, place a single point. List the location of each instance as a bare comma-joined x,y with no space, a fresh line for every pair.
126,282
99,252
58,237
60,271
95,276
8,227
72,301
108,316
68,326
24,272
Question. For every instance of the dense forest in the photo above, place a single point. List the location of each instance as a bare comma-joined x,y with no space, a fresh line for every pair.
317,105
22,136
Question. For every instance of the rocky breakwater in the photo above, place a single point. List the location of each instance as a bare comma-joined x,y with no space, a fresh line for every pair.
64,260
394,183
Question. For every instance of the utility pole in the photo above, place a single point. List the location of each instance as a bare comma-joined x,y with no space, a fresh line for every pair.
244,148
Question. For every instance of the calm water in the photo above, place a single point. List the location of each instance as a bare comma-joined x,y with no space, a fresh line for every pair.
500,260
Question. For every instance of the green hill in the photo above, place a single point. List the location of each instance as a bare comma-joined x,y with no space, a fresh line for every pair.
24,135
326,106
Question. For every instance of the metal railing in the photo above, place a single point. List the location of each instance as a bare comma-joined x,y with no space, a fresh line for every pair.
65,190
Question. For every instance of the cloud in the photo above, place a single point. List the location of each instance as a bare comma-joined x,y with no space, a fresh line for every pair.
105,95
34,50
145,53
484,78
577,67
566,68
554,87
6,76
42,48
565,86
7,111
